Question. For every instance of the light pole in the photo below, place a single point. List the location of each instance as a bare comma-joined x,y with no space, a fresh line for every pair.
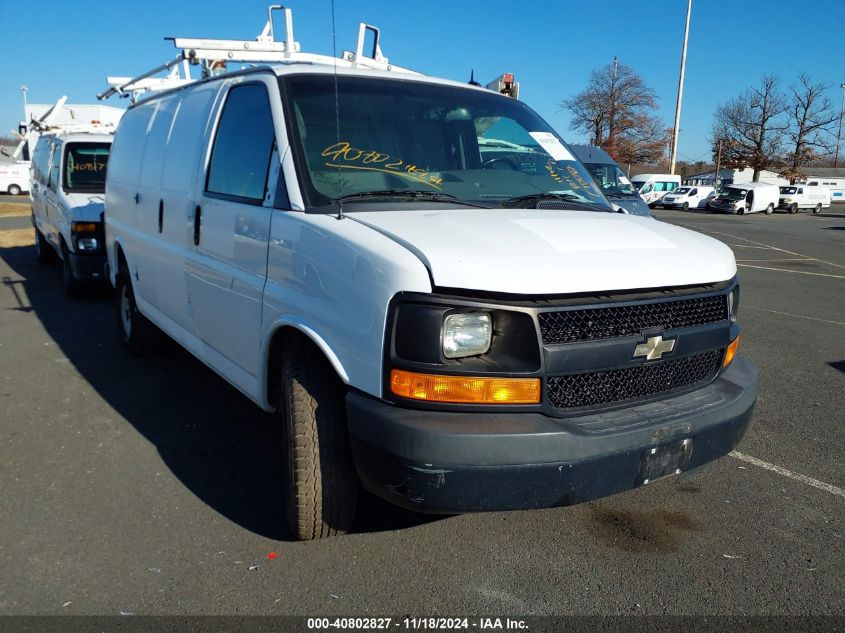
675,130
839,134
24,90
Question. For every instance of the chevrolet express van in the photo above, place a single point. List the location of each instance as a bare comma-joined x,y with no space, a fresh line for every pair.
68,175
427,323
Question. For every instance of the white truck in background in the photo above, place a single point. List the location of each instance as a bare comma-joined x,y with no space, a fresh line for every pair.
652,187
749,197
14,178
795,197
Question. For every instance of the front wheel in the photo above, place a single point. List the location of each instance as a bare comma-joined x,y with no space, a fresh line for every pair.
685,206
740,211
136,332
14,190
817,208
322,485
73,288
43,251
770,209
793,208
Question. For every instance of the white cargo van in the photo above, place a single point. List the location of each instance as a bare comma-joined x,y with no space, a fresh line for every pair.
14,178
68,185
749,197
450,335
687,198
794,197
652,187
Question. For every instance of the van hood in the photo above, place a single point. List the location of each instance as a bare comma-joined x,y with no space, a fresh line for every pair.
86,207
539,252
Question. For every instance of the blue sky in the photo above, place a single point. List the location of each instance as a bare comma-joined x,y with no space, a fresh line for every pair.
551,45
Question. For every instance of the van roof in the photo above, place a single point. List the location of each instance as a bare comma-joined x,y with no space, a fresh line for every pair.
307,68
647,176
79,137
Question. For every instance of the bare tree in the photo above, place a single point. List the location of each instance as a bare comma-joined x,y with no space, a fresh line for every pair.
617,111
811,117
752,125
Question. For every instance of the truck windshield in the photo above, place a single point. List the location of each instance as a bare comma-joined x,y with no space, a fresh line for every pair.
390,135
85,167
611,180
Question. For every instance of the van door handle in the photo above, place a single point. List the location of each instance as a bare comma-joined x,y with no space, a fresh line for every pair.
160,215
197,222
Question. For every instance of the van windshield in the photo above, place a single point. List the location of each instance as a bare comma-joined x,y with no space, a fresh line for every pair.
734,194
682,191
392,136
611,180
85,167
788,190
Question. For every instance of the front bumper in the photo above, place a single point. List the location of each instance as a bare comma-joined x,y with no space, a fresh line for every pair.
444,462
88,267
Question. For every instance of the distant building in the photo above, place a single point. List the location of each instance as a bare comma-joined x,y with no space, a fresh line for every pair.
831,177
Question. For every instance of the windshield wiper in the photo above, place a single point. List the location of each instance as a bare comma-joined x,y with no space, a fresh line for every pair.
428,196
536,198
620,195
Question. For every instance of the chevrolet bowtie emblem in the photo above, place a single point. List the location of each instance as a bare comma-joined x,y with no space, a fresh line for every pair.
654,348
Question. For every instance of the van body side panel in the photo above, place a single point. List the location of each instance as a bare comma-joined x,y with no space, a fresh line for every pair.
122,181
334,280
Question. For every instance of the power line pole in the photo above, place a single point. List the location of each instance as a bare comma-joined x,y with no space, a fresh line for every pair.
839,134
675,130
718,166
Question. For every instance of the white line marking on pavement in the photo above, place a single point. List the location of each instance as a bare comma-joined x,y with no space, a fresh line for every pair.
815,483
774,248
789,314
798,272
776,259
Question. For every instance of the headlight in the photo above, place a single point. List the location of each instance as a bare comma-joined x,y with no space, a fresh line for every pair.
87,244
733,304
466,335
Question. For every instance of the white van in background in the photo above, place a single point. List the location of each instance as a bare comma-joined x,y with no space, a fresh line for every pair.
652,187
749,197
68,187
687,197
14,178
794,197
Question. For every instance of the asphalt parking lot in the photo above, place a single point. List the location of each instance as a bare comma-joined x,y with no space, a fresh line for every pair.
152,487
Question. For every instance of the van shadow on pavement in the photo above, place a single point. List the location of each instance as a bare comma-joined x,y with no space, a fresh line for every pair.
220,445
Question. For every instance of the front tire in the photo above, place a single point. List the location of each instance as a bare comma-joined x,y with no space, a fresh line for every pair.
817,208
73,288
770,209
136,332
793,208
43,251
14,190
685,206
322,485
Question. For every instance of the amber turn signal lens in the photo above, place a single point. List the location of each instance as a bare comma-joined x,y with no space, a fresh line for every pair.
84,227
464,389
731,352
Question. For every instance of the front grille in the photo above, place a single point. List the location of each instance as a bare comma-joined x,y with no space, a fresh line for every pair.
616,385
590,324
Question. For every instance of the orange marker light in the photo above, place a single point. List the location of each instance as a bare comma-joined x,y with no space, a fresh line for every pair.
83,227
731,352
464,389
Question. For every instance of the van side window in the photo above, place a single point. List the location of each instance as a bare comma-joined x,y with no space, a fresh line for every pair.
694,192
800,190
55,161
240,159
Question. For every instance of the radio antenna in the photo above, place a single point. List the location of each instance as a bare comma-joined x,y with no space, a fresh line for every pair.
338,201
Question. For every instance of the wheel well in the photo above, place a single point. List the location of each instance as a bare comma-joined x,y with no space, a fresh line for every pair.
281,339
120,257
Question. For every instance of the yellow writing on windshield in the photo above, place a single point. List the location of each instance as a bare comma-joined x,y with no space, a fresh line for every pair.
95,167
571,178
343,153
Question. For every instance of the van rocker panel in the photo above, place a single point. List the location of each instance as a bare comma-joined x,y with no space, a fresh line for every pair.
453,462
